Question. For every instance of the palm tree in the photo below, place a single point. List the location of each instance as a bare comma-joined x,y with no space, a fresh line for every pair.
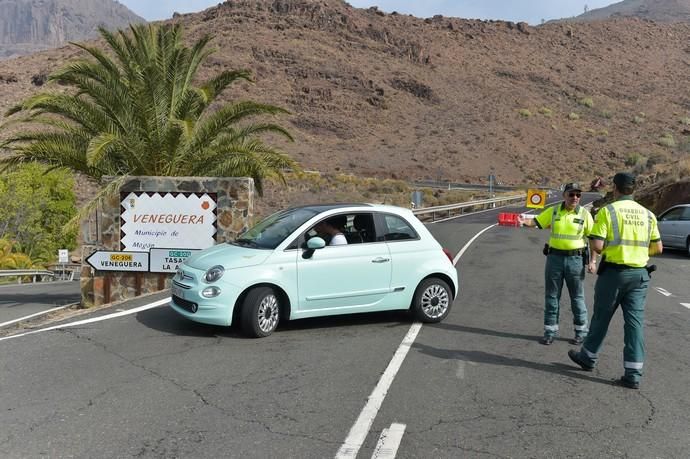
138,111
11,259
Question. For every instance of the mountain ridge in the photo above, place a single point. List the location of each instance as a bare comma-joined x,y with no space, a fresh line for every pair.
27,26
653,10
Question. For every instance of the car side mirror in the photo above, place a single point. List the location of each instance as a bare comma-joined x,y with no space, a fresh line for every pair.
316,243
313,244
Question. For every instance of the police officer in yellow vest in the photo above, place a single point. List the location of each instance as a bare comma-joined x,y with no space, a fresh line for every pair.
570,224
626,234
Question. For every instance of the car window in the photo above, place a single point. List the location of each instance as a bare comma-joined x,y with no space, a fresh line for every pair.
273,230
397,229
686,214
673,214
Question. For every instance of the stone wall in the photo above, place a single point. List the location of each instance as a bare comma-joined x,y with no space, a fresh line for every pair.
102,232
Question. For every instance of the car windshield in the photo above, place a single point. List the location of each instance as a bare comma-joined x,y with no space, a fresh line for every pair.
273,230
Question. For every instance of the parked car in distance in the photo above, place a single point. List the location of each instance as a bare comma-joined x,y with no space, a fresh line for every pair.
283,269
674,226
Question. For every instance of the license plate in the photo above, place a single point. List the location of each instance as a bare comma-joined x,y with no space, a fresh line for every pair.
178,291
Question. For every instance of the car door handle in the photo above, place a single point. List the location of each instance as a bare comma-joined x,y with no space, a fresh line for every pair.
380,260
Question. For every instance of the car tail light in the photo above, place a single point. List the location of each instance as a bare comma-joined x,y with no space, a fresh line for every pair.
448,254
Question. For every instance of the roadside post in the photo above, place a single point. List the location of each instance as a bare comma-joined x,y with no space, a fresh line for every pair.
63,259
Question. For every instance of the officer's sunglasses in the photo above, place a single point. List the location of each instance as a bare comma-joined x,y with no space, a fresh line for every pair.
574,194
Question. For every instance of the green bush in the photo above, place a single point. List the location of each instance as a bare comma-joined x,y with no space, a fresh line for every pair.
606,114
667,140
546,112
525,112
685,121
639,119
36,204
586,101
573,116
633,159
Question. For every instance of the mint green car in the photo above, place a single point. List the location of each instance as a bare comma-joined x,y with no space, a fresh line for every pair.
318,260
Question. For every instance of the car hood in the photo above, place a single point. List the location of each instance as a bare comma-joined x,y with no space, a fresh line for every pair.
227,255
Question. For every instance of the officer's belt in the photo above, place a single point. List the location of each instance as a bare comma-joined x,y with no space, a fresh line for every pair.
619,267
567,253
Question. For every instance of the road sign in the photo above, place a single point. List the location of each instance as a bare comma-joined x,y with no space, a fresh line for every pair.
167,260
536,198
63,256
119,261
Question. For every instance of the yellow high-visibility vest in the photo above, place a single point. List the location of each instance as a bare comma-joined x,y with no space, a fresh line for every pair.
569,228
627,229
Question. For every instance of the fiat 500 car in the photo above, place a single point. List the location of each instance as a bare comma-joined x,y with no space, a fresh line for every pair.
318,260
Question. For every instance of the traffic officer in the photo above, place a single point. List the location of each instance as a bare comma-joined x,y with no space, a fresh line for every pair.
570,223
626,234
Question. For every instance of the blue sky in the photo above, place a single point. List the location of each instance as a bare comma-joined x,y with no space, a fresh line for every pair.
532,11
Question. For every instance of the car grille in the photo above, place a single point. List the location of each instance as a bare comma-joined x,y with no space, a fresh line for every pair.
185,304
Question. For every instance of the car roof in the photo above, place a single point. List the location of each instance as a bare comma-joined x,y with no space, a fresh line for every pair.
319,208
353,206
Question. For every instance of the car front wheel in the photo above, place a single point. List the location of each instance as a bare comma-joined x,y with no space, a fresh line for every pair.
687,246
432,300
260,312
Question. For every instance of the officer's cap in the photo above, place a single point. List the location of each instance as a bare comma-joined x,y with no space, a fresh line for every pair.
571,187
624,180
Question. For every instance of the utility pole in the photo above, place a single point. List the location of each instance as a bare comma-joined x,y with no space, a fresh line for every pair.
491,185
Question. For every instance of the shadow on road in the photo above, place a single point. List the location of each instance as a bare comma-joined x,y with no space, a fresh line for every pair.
168,321
488,332
502,360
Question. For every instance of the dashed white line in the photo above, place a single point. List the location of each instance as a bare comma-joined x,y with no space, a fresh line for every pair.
93,319
359,431
389,442
663,291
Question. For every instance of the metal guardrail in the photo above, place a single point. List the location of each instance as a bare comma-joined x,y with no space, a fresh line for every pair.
450,210
37,275
22,273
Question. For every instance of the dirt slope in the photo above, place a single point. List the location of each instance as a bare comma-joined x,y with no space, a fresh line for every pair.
388,95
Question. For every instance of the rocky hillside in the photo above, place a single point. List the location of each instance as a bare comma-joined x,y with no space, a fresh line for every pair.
653,10
390,95
27,26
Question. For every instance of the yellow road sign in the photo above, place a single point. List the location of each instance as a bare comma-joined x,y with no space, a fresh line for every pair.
536,199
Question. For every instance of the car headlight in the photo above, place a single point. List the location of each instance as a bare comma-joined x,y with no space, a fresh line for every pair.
213,274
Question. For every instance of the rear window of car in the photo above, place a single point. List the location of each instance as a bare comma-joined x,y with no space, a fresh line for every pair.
398,229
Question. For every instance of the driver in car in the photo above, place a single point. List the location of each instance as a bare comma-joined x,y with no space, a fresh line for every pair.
331,230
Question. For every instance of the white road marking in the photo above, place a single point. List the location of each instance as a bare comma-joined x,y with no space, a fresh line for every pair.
360,429
93,319
460,374
389,441
358,432
457,257
9,322
687,305
663,291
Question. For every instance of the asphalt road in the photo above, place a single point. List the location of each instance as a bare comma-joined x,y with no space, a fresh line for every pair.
18,301
478,385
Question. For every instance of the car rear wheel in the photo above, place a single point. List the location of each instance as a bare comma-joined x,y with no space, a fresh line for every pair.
687,246
260,312
432,300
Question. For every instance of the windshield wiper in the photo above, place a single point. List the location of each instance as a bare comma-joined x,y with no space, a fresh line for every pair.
247,242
